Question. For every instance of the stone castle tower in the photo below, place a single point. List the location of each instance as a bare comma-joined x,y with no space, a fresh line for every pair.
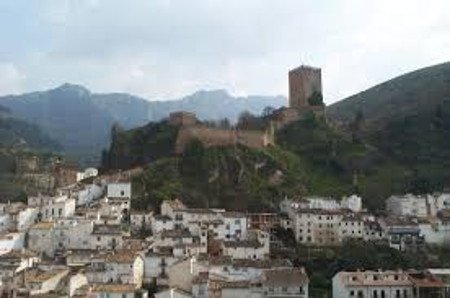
303,82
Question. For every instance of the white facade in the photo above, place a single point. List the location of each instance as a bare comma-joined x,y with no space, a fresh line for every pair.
89,172
353,202
55,207
11,241
155,267
407,205
118,190
388,284
41,239
160,223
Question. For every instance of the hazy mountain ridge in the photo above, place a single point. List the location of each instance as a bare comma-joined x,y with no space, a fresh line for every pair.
81,121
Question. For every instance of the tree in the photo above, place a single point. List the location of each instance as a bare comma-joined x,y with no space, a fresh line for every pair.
316,99
224,123
267,111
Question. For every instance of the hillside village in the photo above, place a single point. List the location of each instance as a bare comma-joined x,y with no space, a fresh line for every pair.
85,239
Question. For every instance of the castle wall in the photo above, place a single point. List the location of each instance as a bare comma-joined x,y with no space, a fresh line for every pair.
214,137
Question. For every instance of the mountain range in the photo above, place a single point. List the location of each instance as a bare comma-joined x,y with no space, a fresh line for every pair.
81,121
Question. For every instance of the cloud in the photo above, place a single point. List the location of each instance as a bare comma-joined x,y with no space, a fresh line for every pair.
168,48
11,79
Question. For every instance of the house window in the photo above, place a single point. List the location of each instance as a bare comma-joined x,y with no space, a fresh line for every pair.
375,294
284,289
122,193
352,293
59,212
99,238
237,222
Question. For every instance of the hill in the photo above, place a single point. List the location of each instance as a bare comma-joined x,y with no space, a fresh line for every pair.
392,138
420,91
311,158
18,138
407,120
17,133
81,121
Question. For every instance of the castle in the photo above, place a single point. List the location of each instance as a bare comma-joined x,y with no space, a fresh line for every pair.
305,96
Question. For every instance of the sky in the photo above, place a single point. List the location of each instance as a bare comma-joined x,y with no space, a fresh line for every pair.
164,49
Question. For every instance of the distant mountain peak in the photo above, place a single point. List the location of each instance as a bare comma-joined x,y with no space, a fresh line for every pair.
214,92
73,88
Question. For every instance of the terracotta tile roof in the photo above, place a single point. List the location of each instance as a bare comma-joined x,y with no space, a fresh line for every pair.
112,288
176,233
284,277
38,275
425,279
122,256
233,214
248,263
107,229
243,243
374,278
18,254
44,225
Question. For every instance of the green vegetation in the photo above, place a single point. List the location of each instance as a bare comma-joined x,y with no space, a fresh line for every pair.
236,178
323,263
139,146
18,138
393,138
316,99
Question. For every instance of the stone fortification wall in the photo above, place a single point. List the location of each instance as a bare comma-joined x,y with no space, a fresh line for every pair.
215,137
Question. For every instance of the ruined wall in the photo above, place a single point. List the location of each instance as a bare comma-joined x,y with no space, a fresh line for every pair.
182,118
215,137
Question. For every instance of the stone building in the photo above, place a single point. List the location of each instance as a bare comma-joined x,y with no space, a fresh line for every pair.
304,81
182,118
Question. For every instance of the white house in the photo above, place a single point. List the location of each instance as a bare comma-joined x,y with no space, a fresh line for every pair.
173,293
118,290
387,284
155,266
285,282
407,205
161,222
118,190
10,241
120,266
107,237
245,249
14,262
88,173
41,239
44,281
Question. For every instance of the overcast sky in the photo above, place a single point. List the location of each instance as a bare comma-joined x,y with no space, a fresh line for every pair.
163,49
